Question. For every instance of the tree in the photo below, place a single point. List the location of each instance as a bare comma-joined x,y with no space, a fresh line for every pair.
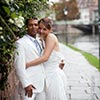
72,8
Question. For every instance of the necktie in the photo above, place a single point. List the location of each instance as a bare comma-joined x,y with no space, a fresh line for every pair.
42,44
38,46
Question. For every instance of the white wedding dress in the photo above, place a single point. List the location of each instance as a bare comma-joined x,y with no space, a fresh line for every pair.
55,78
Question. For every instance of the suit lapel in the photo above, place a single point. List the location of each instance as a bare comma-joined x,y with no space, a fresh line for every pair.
31,44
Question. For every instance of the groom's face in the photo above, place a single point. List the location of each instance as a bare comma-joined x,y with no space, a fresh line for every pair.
32,27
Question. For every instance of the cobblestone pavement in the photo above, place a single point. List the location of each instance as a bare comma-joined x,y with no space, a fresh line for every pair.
83,80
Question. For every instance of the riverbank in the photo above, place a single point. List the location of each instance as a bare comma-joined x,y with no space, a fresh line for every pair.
93,60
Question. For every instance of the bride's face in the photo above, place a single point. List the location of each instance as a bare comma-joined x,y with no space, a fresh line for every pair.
43,30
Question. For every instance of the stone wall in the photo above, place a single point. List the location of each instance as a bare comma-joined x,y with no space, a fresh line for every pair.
11,91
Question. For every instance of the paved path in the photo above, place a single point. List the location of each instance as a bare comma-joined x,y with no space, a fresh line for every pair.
83,80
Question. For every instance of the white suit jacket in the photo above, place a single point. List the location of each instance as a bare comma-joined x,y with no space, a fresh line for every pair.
25,52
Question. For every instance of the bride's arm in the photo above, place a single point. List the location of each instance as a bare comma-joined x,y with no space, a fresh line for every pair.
50,44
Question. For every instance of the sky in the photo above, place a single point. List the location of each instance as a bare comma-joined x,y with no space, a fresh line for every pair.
53,0
56,0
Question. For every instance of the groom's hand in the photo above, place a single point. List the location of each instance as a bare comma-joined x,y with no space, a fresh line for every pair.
61,65
29,90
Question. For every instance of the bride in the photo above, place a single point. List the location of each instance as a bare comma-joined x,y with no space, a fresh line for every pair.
51,57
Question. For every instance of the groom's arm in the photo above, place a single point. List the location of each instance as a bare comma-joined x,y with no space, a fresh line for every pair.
20,65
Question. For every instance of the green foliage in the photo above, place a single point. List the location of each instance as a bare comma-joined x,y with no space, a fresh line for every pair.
10,13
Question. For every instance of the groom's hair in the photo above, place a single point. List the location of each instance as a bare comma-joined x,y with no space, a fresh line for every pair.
27,20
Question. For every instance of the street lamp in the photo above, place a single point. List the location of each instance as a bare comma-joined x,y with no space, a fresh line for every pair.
65,11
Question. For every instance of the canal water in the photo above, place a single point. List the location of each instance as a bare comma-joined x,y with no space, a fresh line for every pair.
89,44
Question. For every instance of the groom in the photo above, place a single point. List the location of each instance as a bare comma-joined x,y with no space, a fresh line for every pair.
31,79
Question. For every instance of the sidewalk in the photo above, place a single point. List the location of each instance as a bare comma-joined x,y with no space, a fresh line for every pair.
83,80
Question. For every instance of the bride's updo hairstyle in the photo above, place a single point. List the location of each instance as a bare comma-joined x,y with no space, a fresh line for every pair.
46,22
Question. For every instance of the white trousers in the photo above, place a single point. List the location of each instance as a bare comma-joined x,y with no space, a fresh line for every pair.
40,96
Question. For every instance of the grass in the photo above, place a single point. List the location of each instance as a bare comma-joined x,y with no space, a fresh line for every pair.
90,58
